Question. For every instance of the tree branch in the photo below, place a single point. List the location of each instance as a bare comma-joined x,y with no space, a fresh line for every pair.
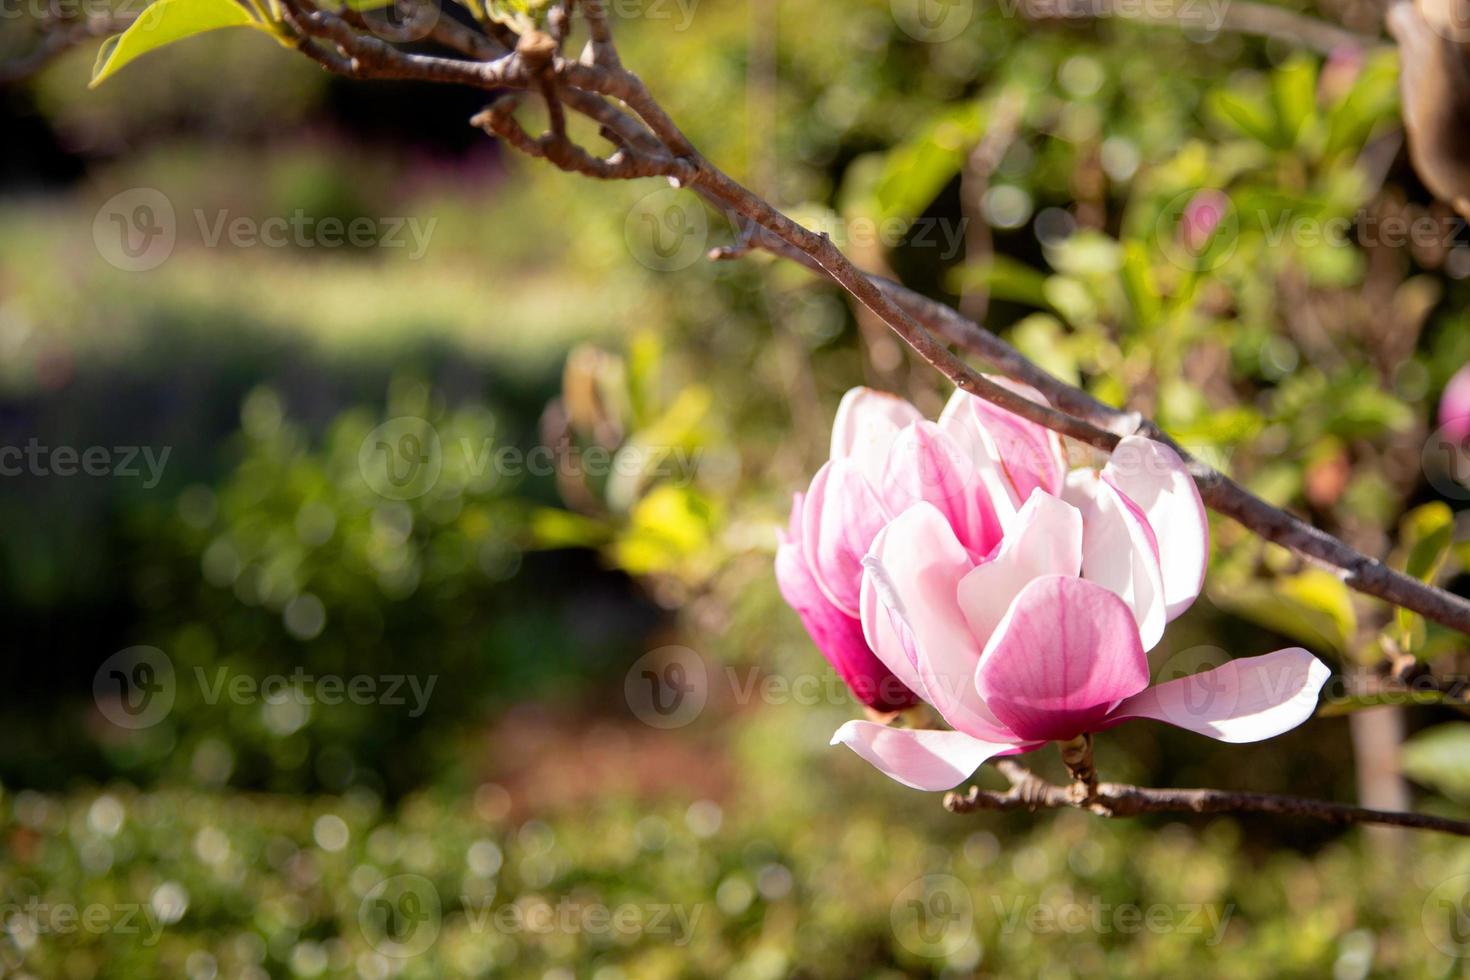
653,145
58,37
1237,17
1029,791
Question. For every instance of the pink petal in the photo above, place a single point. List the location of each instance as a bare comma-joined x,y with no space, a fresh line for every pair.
925,464
924,759
1044,539
838,636
1242,701
1154,478
1065,654
1119,550
840,516
866,424
912,619
1031,454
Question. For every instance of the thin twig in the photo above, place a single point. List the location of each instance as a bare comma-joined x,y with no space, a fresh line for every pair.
1029,791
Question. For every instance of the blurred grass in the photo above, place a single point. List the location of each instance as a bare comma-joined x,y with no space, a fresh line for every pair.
772,883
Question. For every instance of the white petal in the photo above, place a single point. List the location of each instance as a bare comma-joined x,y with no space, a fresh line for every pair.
920,758
867,422
1153,476
1119,551
1241,701
1044,539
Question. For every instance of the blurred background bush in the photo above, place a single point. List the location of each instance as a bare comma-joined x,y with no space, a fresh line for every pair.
1119,199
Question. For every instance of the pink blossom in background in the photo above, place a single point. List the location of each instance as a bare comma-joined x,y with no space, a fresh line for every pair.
1202,215
1454,407
961,562
1339,73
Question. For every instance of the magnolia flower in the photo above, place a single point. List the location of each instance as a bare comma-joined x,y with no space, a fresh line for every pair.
1017,598
885,458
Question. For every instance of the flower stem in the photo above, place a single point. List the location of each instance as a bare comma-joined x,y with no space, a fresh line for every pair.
1077,755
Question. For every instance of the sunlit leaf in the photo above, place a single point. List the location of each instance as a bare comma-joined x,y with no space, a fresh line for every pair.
1313,607
165,22
1440,757
669,526
1071,298
1428,532
1425,536
1087,253
1043,339
554,528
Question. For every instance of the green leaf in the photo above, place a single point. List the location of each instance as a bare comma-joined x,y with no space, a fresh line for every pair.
669,526
1312,607
1005,279
1139,284
1072,299
1440,757
1294,93
680,428
165,22
1249,116
917,170
1043,339
1361,702
1372,102
1428,532
1425,535
1361,410
554,528
1087,253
